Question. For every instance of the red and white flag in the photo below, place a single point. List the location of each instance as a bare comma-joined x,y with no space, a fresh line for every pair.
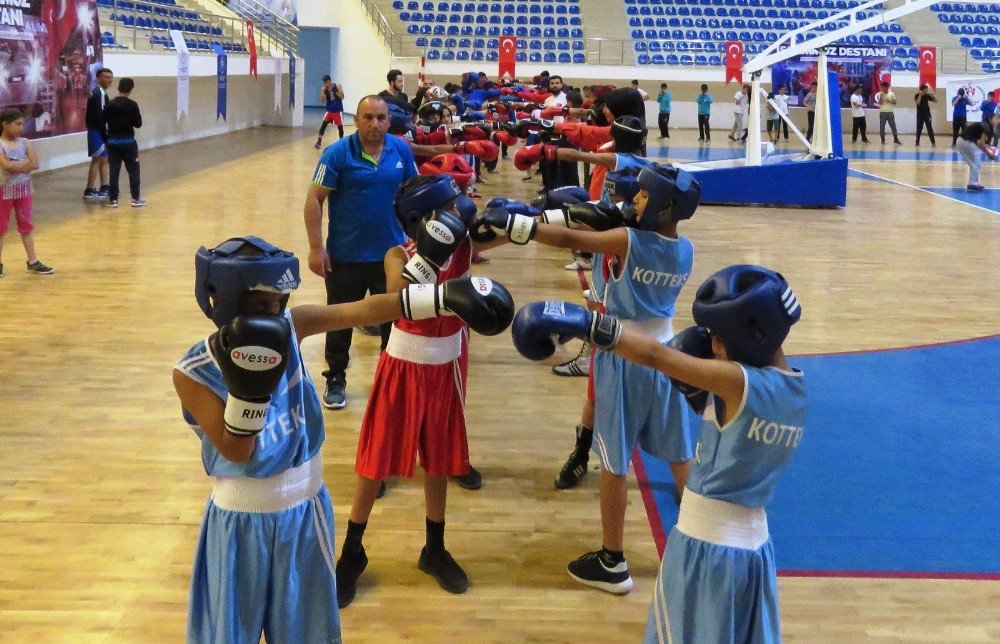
507,56
734,61
928,66
252,46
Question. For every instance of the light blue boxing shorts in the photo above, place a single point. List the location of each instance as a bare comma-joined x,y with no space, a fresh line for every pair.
717,580
636,405
265,561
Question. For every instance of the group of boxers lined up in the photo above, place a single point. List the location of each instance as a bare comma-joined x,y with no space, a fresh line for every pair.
704,400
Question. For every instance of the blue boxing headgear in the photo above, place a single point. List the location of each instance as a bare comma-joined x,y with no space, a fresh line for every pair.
399,119
622,184
420,196
224,274
750,309
670,188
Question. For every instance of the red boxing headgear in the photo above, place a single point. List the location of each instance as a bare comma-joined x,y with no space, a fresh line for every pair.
451,164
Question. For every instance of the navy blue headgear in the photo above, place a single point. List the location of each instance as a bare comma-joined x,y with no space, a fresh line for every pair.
629,133
667,187
222,278
750,309
622,184
399,119
420,196
429,108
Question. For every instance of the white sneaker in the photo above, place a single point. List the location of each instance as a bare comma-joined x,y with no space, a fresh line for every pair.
579,264
578,366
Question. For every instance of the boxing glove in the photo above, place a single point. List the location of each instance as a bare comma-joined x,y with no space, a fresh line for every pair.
520,229
485,150
253,350
602,215
437,238
540,326
468,133
525,127
532,154
560,197
503,137
695,341
483,304
513,206
550,112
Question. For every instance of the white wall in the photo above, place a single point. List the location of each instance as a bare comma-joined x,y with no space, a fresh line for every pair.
250,102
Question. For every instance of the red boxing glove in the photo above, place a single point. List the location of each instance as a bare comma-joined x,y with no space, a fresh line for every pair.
504,138
550,112
532,154
485,150
502,108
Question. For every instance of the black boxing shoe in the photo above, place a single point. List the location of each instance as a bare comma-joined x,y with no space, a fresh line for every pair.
349,567
443,567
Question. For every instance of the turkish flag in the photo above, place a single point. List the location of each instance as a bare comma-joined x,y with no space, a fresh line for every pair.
928,66
252,45
734,61
507,56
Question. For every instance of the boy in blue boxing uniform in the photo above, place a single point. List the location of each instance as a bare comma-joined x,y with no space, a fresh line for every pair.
717,581
640,270
265,556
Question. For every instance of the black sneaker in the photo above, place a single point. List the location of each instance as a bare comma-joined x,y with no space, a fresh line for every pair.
574,469
334,397
373,330
382,489
349,568
1,270
445,569
471,481
39,268
592,570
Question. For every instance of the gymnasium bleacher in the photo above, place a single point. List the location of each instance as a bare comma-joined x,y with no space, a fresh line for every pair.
154,19
694,32
978,29
549,32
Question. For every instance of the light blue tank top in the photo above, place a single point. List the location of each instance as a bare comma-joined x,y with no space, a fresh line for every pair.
293,429
740,462
654,272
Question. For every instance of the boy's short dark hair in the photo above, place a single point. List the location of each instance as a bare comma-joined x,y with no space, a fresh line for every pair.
663,86
635,81
393,75
103,70
885,84
574,98
923,86
126,85
326,77
704,86
10,114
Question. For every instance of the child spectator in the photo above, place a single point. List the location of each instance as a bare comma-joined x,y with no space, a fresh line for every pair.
17,162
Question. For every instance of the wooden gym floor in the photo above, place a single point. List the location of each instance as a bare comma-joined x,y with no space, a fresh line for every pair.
101,485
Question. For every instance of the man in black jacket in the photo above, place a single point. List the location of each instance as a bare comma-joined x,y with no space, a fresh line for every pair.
97,136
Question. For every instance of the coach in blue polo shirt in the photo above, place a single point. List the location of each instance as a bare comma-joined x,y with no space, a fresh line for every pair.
358,176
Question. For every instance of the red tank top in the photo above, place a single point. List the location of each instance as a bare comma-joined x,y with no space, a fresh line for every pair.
459,265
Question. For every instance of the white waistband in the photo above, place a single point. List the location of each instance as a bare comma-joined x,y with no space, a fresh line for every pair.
273,494
422,349
721,522
660,329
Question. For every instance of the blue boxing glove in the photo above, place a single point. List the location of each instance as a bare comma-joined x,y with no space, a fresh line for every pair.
565,196
695,341
514,207
538,327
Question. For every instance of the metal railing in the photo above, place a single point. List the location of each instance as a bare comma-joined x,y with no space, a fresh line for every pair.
142,31
382,25
267,22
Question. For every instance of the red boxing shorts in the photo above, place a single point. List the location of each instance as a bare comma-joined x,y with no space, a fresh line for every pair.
337,118
416,406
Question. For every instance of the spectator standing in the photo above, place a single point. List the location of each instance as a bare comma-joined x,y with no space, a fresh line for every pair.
97,135
923,99
988,108
394,93
17,162
122,117
886,115
332,96
959,115
704,101
663,99
809,102
975,139
858,116
643,93
781,98
740,103
357,177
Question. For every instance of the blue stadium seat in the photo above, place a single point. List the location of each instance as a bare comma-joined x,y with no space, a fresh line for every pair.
492,56
421,41
436,43
654,46
462,55
579,59
578,45
477,56
397,5
433,55
911,66
448,55
715,61
565,58
535,57
657,59
576,33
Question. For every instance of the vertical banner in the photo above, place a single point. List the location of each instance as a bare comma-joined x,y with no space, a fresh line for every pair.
183,82
277,84
221,74
734,61
928,67
252,46
423,65
291,78
507,56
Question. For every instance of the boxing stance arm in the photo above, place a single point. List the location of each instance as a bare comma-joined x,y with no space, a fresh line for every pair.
723,378
208,411
608,160
311,319
609,242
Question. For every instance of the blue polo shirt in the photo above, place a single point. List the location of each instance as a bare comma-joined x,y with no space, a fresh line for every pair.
362,225
664,101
